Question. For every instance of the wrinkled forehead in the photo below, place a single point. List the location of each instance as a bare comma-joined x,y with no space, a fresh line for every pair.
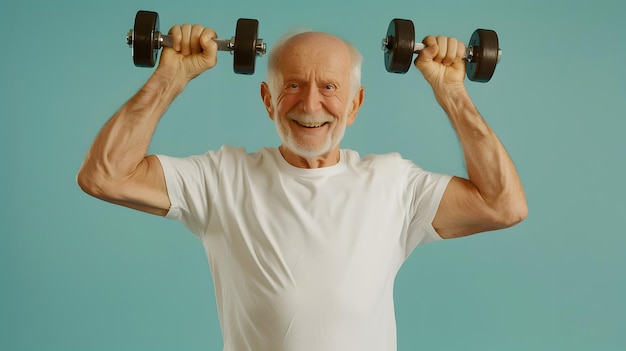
314,51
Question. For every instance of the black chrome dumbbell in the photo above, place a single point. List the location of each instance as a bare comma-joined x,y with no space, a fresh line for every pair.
482,55
145,40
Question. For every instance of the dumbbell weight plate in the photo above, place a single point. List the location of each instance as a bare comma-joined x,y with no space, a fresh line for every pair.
143,42
485,55
244,53
400,46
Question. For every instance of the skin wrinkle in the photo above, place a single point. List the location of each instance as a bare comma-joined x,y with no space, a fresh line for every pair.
274,76
315,84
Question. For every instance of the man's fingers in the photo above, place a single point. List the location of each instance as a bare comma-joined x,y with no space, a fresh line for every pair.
460,50
177,36
430,50
206,41
185,45
442,49
451,51
442,44
196,31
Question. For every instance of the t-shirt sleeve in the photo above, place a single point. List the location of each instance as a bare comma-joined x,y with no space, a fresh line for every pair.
423,195
190,183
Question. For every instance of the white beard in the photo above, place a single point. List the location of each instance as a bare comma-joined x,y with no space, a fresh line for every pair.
301,148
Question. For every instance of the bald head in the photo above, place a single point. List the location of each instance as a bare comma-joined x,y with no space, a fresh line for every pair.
301,44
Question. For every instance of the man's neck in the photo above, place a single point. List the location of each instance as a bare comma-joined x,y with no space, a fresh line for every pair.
328,159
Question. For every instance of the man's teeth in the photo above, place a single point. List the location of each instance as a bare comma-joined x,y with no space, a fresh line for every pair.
311,125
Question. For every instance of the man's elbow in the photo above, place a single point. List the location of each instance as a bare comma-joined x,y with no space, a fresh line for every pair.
512,213
93,184
87,184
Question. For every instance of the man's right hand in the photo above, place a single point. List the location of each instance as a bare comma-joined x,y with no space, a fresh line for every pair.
194,51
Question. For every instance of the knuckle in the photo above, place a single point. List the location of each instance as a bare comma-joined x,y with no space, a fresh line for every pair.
196,28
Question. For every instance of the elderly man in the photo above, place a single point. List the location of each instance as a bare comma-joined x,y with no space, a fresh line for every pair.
304,240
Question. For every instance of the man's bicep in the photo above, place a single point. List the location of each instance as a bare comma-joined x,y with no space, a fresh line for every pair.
462,211
146,189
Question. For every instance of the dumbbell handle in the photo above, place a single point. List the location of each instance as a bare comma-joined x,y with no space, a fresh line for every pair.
164,40
468,55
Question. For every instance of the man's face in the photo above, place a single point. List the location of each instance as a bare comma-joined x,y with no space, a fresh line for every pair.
313,102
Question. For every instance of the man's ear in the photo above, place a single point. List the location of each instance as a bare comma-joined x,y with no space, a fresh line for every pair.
266,96
355,105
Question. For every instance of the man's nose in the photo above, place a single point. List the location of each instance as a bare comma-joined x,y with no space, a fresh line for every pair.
311,100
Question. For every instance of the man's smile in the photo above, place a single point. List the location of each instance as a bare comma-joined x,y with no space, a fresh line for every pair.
311,125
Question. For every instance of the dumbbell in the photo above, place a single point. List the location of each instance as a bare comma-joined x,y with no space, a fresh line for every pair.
145,40
481,57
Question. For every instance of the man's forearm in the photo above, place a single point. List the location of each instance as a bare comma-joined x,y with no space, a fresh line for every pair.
123,141
489,165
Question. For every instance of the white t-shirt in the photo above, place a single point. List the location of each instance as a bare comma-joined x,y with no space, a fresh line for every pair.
304,259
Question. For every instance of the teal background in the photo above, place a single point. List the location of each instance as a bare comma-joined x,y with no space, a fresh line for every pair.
80,274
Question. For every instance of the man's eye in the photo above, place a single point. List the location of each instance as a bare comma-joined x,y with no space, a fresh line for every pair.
292,88
329,89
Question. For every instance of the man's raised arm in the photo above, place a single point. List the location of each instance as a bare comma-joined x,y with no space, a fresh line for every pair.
117,168
493,197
